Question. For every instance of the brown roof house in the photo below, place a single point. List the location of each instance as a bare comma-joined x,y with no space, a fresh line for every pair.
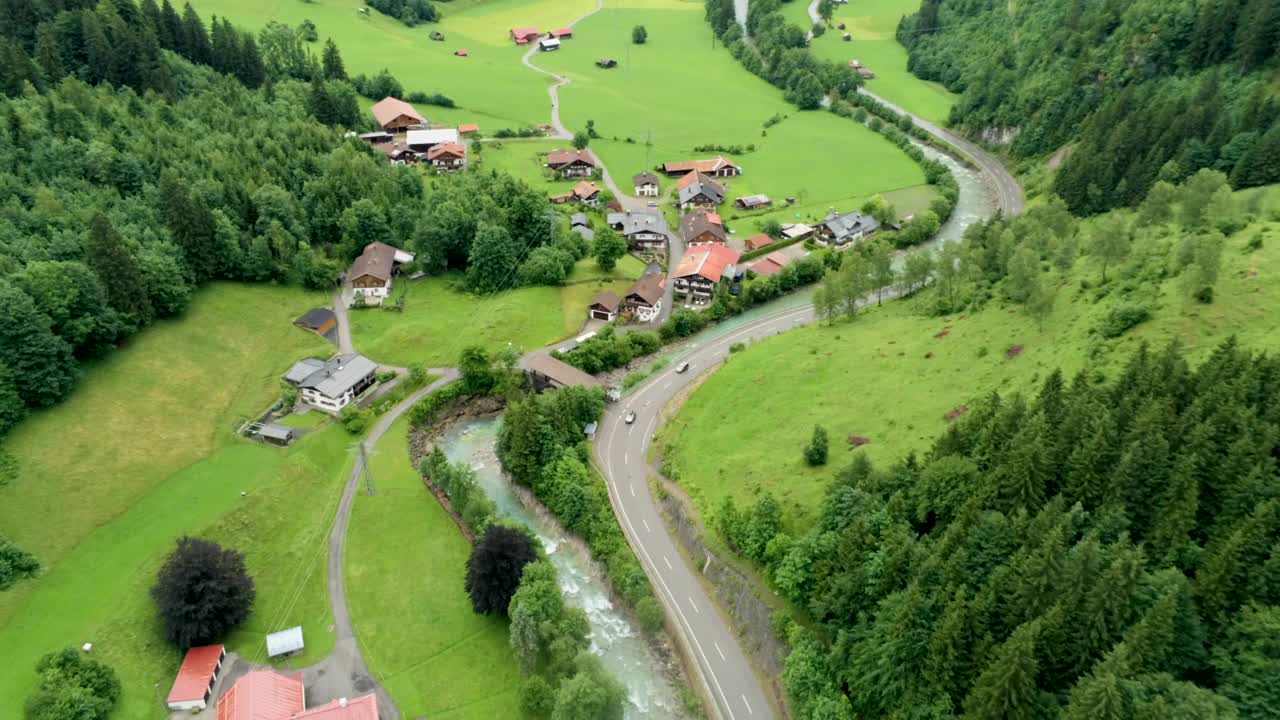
698,190
393,114
644,229
370,274
646,184
698,228
448,157
572,163
604,307
718,166
753,202
643,300
584,192
755,242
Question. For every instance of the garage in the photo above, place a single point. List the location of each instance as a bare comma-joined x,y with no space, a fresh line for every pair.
604,307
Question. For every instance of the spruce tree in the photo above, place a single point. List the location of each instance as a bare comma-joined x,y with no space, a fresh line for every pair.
116,269
332,62
195,40
1006,690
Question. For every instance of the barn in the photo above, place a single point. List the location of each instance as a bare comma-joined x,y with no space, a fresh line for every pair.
196,676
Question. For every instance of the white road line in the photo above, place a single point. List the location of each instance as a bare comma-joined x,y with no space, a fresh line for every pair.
626,458
694,606
664,387
646,525
718,650
668,562
633,489
744,702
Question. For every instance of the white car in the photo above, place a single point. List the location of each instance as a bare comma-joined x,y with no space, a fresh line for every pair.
630,418
682,367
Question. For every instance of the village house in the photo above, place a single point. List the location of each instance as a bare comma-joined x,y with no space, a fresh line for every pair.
584,192
698,190
461,52
572,163
770,264
560,34
645,229
448,157
643,300
423,140
702,268
753,202
604,307
796,231
468,129
525,35
718,166
268,695
757,242
843,230
333,384
370,274
397,154
866,74
393,115
377,138
646,184
700,227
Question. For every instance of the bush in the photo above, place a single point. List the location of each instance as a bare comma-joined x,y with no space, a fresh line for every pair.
815,453
649,615
202,592
458,483
639,34
354,420
737,347
15,564
437,99
1122,318
384,375
536,698
73,687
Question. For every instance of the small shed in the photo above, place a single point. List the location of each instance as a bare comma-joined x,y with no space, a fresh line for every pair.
468,129
194,683
577,219
285,642
276,434
585,232
604,306
589,429
606,63
461,52
437,35
548,44
317,320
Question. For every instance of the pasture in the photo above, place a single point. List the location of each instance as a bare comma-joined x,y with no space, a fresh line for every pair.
405,564
892,375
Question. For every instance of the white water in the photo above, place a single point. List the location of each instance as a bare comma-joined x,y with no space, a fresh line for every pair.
622,649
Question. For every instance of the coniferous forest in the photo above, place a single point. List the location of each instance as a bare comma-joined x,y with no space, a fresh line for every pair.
1142,90
1100,551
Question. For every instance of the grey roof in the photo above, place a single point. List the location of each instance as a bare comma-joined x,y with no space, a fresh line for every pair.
587,233
285,641
272,431
561,373
699,186
848,224
589,429
302,370
316,318
578,219
339,374
634,221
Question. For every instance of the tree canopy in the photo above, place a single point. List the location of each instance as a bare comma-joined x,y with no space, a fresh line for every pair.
202,592
494,568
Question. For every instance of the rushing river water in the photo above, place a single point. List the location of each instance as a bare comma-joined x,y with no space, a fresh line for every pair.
622,649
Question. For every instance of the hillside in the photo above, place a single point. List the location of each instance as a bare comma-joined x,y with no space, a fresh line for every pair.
1142,91
893,374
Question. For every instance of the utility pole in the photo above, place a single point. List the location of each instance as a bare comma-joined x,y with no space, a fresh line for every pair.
364,464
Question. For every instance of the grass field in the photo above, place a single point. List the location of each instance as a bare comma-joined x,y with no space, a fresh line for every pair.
677,92
405,563
306,421
110,477
888,377
873,24
438,321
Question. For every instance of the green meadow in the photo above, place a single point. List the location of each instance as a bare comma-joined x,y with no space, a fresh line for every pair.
145,451
405,564
873,25
893,373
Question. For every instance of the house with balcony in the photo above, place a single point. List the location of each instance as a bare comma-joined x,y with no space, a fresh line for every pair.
843,231
332,384
698,190
645,230
702,268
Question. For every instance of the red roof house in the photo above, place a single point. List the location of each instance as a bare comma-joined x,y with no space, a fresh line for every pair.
196,677
364,707
468,128
770,264
702,267
393,114
524,35
715,218
755,242
262,695
561,33
718,166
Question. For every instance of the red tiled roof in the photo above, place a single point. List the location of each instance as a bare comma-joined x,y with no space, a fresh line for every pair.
389,108
687,180
468,128
705,166
771,264
562,32
585,189
457,149
715,218
708,261
364,707
462,52
524,33
262,695
196,672
755,242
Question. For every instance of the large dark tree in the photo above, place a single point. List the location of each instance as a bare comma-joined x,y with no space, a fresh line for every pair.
493,570
202,592
117,271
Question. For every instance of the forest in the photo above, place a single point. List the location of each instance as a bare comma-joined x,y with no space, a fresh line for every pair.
1098,551
1141,90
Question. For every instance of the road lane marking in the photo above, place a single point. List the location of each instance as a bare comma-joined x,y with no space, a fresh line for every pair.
718,650
646,525
668,562
626,458
694,605
744,702
633,489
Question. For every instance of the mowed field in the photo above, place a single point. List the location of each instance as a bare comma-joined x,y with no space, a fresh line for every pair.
874,25
678,92
494,88
405,565
892,374
439,321
144,451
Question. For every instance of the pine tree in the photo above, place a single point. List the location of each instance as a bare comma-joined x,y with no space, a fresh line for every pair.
49,53
1006,690
170,32
116,269
249,67
1098,698
195,40
332,62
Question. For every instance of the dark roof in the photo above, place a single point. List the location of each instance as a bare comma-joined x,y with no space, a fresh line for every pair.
697,223
560,158
645,178
316,318
578,219
607,300
648,288
695,184
377,260
272,431
640,220
842,226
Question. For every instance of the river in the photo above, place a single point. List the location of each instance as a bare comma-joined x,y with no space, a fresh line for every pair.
622,649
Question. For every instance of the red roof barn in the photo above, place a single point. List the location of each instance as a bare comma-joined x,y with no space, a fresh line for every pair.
262,695
525,35
196,677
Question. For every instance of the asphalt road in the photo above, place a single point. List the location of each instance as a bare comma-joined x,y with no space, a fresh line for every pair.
621,450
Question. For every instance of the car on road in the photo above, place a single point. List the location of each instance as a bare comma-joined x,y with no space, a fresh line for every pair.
682,367
630,418
653,203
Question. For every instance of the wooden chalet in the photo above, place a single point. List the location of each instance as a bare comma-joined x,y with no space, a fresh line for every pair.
572,163
393,114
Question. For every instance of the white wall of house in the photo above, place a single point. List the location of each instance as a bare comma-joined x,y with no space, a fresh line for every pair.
647,190
323,402
374,292
647,314
188,705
